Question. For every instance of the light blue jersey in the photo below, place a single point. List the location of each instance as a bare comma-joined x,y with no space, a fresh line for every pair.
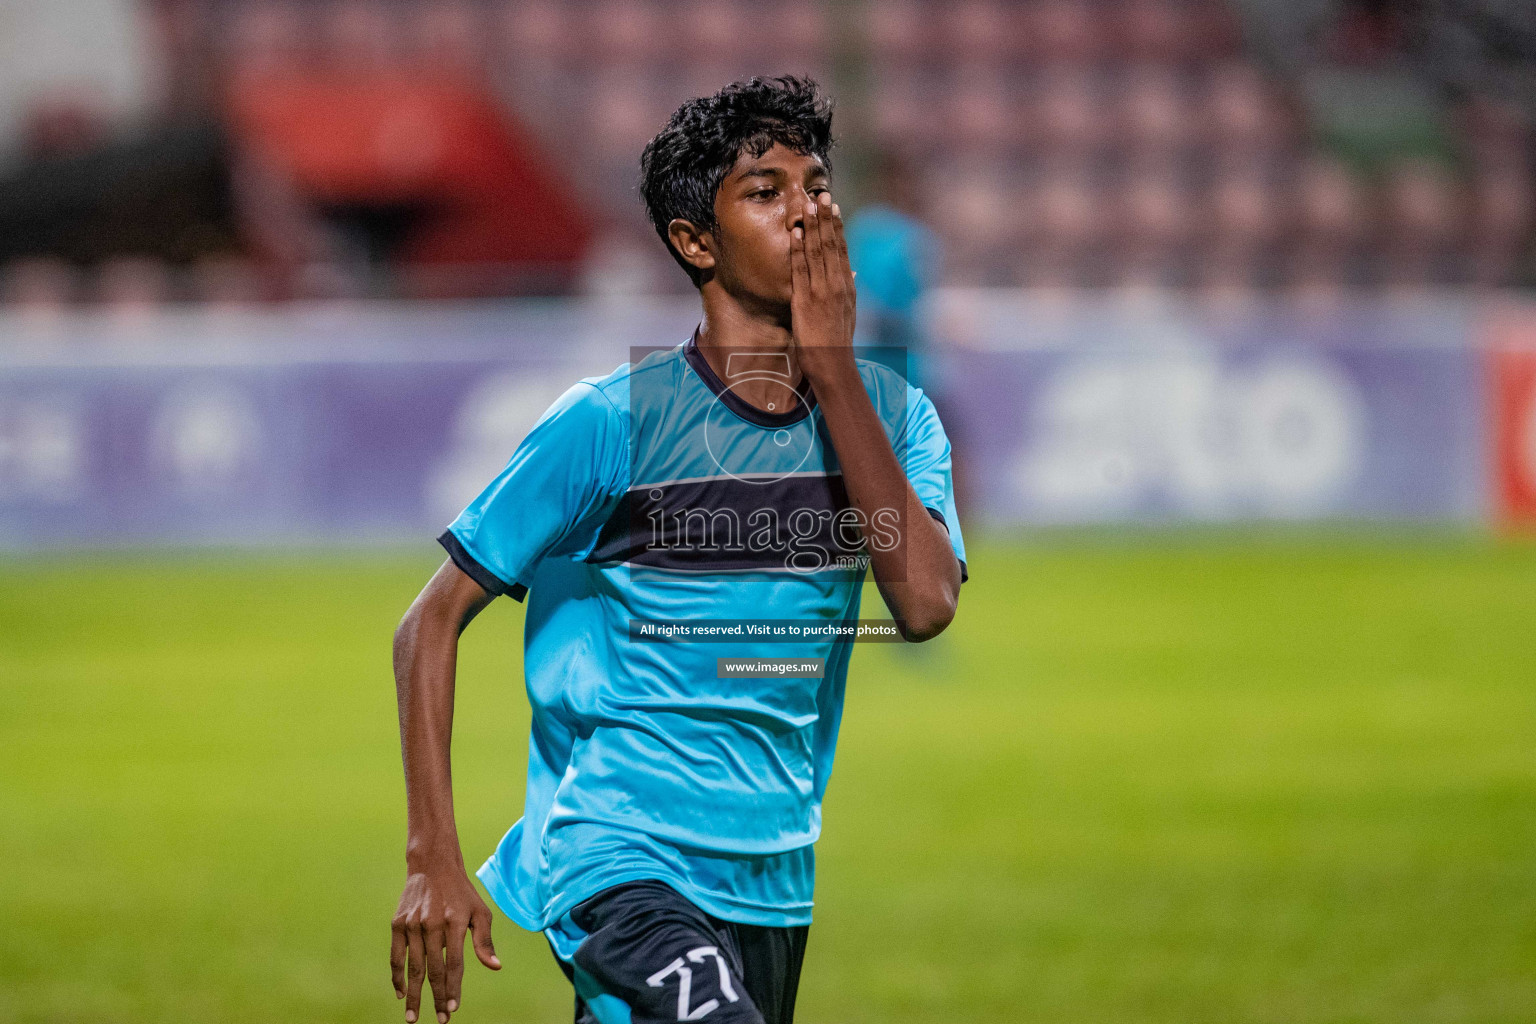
656,495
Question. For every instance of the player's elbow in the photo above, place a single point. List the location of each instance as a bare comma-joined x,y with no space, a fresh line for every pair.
406,632
421,620
930,619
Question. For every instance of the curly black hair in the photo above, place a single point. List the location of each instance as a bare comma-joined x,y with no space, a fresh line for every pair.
683,167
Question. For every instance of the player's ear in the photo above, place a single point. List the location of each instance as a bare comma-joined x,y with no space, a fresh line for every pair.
697,247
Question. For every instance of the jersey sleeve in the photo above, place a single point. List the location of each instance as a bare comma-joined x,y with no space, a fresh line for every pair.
571,463
926,456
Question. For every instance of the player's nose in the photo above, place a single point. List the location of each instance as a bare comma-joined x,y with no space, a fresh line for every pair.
795,209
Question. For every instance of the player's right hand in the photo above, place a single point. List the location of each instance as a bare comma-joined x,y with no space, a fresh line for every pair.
437,907
823,300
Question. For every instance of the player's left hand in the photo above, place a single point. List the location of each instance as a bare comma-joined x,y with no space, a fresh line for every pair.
822,295
438,907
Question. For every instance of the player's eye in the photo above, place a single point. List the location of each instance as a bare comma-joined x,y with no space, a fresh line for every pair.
764,193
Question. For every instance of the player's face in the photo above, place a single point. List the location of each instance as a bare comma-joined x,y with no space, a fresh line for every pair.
759,203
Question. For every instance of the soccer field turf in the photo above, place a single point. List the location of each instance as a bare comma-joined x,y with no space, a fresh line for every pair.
1178,779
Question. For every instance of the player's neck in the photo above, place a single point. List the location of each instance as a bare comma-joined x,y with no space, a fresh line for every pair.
749,352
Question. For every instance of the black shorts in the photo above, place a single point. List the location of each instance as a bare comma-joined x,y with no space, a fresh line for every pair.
651,957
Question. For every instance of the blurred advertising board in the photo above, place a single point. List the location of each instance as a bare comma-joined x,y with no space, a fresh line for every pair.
1147,412
1513,407
377,423
346,424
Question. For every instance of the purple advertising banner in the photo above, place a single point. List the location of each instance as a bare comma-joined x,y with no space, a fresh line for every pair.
1114,411
361,424
1220,434
378,424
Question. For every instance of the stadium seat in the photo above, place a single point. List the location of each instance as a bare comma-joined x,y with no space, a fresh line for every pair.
1241,116
1423,220
626,33
39,286
1068,31
1068,117
981,115
265,36
1068,214
1330,204
1424,205
621,119
447,36
1152,30
1152,227
982,32
226,281
1152,113
905,111
1501,216
1320,272
361,37
1243,212
131,286
537,30
720,31
1229,271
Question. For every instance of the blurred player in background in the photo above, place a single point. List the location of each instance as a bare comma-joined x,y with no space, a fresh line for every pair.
752,473
896,259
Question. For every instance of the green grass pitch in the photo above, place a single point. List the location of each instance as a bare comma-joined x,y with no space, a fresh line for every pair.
1180,779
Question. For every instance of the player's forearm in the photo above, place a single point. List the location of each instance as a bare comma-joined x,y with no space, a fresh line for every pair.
922,584
425,653
918,575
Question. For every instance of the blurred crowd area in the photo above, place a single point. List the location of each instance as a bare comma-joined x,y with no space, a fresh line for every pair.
257,150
